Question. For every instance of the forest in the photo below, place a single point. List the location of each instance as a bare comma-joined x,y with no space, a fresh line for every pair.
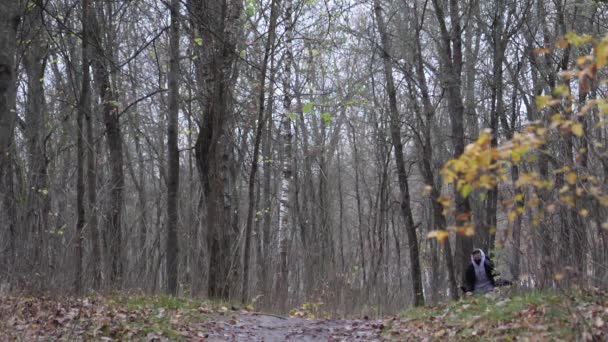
337,156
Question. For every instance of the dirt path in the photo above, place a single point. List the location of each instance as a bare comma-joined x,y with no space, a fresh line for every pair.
268,328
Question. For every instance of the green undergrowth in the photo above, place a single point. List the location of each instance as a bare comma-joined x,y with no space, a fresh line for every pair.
528,316
168,316
164,302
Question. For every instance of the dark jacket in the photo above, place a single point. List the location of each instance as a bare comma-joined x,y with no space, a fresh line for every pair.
469,276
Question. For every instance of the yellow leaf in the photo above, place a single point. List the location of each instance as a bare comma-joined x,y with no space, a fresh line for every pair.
571,178
485,182
561,90
541,51
512,216
602,105
562,44
568,200
577,129
577,40
440,235
533,203
557,119
484,139
581,60
601,53
460,166
446,202
540,131
545,185
515,157
448,176
584,213
559,276
542,101
466,190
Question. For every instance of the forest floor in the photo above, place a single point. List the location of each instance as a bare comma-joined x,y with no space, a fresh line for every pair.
576,315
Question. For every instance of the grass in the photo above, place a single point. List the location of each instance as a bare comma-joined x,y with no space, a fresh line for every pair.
164,315
533,315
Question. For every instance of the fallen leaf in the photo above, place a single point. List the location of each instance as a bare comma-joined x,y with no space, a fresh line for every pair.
599,322
439,333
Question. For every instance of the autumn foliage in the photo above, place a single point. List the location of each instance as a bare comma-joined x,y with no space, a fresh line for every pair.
569,119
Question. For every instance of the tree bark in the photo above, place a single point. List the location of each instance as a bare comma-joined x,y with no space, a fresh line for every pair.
425,142
85,107
451,64
9,21
38,205
285,222
173,155
217,24
102,70
396,138
498,43
261,122
359,204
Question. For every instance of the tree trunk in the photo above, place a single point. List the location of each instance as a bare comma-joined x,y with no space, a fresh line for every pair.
281,287
451,65
86,109
173,154
359,205
439,222
499,45
102,72
38,205
261,122
9,21
396,138
217,25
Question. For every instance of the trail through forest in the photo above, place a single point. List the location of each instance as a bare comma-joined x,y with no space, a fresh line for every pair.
533,316
27,318
261,327
281,153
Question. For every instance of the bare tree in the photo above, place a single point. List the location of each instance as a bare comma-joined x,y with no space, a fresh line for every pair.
398,145
173,153
261,122
9,21
450,52
103,66
215,23
281,287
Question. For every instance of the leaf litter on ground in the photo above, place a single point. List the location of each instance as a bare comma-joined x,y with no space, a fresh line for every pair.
26,318
534,316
